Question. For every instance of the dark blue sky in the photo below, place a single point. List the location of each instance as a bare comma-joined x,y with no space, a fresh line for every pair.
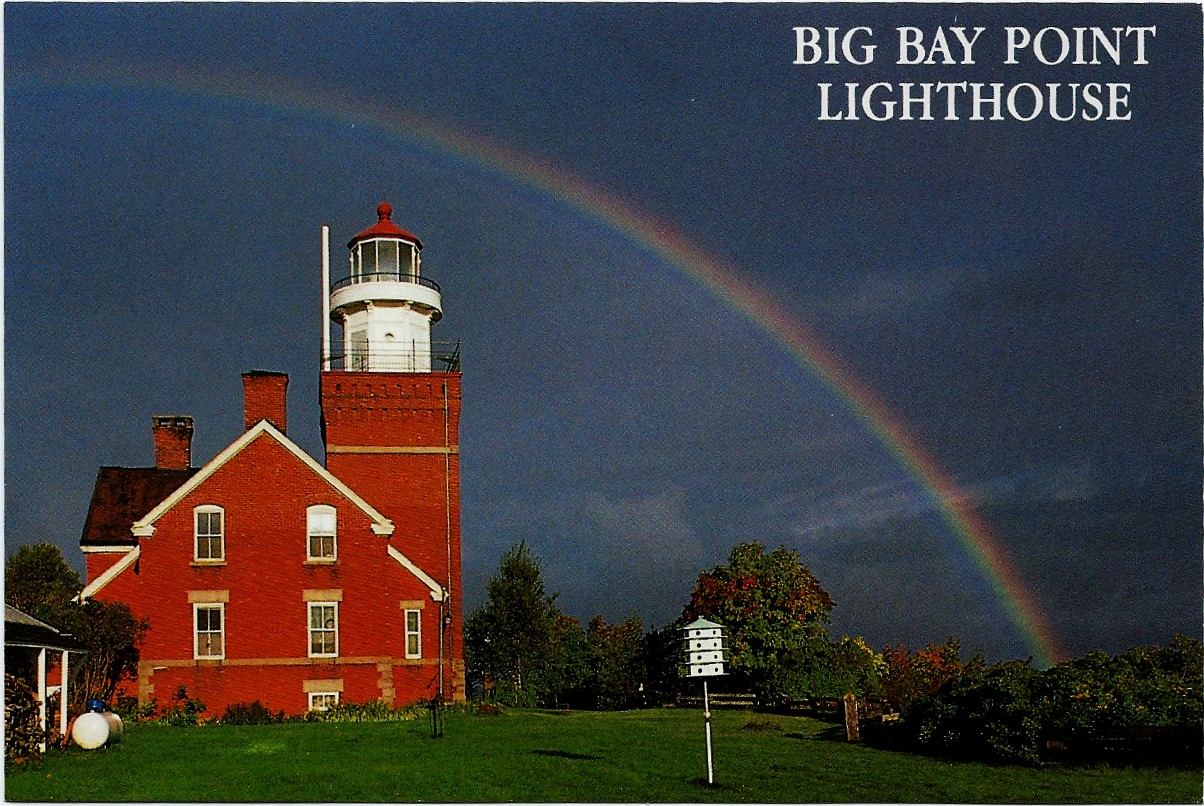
1025,297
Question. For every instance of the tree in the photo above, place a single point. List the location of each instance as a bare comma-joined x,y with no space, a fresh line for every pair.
661,654
909,675
616,661
565,679
38,581
112,634
860,668
509,640
774,611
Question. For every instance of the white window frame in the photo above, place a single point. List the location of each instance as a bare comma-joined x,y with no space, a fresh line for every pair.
310,533
416,633
220,607
311,629
208,509
322,700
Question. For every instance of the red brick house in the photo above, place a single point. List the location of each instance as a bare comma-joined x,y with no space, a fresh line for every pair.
268,575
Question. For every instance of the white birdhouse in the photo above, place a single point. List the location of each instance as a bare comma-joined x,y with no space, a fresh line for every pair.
704,648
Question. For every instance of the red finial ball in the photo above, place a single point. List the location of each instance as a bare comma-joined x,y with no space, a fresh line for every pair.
384,211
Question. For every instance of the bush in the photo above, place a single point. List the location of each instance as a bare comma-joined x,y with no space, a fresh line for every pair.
1010,712
22,733
250,713
371,711
186,712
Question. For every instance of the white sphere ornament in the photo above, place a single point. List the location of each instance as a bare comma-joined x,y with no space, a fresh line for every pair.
91,730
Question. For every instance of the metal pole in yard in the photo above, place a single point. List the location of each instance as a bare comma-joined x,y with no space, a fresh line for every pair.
706,713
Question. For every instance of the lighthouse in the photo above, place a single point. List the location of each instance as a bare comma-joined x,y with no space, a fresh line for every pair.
390,400
385,305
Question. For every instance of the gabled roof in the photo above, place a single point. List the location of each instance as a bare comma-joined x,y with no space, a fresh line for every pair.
145,526
22,629
121,496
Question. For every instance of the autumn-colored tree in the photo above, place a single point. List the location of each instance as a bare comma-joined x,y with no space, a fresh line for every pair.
911,674
774,611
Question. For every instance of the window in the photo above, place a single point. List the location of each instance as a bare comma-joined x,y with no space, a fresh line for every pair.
320,525
387,259
209,640
321,700
413,633
359,350
323,629
210,533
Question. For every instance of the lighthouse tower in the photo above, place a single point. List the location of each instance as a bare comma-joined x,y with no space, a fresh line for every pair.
390,399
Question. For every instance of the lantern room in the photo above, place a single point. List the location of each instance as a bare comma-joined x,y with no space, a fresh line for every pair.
384,304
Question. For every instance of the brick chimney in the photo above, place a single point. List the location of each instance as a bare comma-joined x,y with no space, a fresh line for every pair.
173,441
265,394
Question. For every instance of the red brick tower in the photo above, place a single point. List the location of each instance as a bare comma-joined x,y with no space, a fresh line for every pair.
391,411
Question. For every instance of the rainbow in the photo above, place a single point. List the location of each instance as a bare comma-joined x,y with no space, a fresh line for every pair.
720,278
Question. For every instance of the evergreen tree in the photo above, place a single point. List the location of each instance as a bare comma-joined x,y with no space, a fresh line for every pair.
509,641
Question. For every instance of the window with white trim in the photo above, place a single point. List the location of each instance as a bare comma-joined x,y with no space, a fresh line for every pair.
210,523
209,637
322,700
321,523
413,633
323,629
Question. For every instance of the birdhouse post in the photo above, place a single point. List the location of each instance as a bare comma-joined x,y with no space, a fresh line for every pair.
704,658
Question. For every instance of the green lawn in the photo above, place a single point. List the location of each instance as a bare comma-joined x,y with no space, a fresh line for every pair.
642,756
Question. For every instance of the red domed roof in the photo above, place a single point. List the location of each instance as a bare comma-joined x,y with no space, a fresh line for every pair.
384,228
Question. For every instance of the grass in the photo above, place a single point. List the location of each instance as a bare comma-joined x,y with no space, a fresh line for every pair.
539,756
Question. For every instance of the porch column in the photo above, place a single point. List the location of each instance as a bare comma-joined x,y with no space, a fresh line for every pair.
63,699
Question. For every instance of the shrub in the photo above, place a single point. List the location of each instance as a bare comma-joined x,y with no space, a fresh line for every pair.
250,713
1143,687
1010,712
186,712
371,711
986,716
22,733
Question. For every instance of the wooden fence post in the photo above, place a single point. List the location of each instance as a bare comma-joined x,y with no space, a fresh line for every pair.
852,731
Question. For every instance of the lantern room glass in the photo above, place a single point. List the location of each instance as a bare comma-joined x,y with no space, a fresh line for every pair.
382,259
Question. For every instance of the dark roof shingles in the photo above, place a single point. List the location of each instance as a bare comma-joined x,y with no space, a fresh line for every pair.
121,496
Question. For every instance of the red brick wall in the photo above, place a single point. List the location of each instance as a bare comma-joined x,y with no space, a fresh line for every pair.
416,490
265,491
281,688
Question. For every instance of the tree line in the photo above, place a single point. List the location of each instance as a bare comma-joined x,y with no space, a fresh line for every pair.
521,650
